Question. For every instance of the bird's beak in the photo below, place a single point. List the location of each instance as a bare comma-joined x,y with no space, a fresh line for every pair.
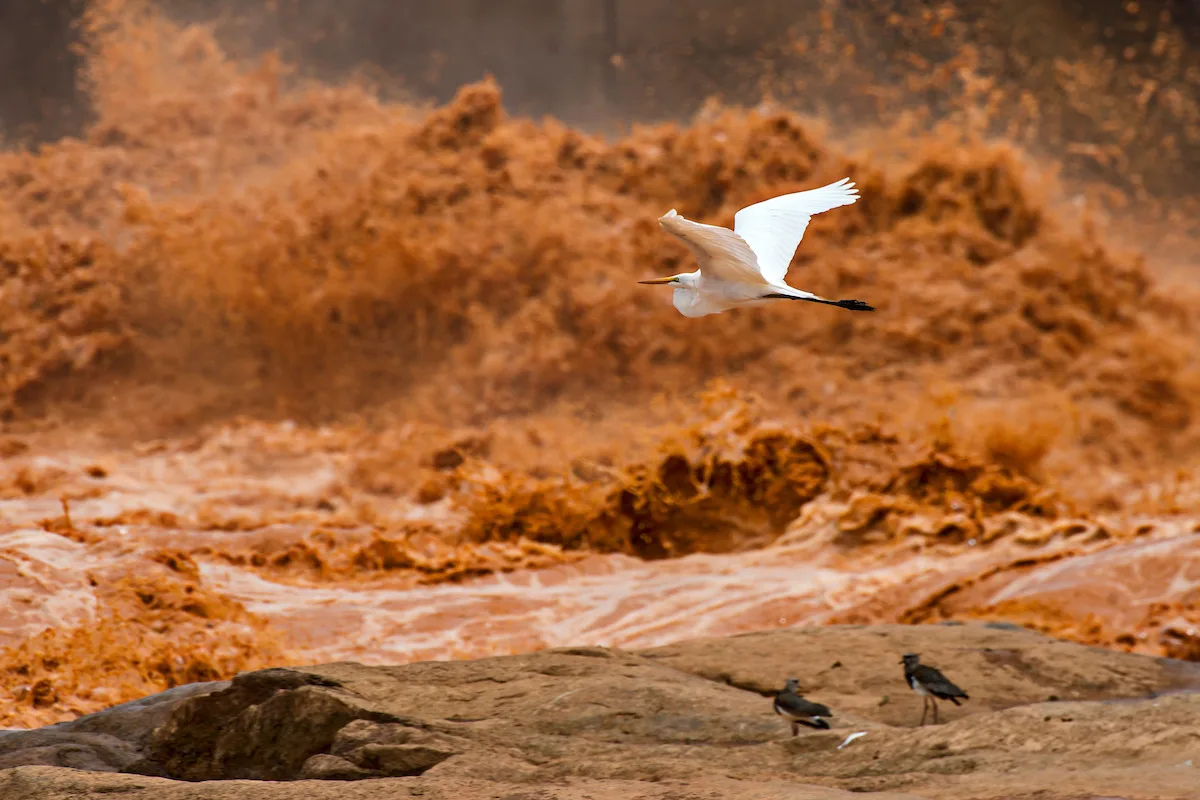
671,279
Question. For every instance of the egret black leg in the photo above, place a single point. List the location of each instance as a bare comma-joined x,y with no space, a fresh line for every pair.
849,305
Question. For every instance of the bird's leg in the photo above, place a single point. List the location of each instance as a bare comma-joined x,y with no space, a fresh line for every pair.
795,728
933,702
849,305
924,710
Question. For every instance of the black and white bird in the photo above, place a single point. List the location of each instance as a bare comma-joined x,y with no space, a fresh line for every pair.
931,684
799,711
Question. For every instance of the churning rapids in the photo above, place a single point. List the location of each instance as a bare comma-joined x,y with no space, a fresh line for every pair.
292,374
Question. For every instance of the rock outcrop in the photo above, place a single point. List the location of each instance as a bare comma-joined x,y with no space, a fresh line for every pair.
687,720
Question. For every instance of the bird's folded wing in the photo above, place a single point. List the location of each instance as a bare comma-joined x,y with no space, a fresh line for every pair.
935,681
721,253
775,227
799,707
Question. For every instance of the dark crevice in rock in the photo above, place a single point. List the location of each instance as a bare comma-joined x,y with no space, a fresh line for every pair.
586,652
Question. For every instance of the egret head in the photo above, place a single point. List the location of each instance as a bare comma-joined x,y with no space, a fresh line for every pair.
669,279
678,281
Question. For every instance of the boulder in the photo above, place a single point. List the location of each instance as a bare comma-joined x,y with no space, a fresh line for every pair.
692,719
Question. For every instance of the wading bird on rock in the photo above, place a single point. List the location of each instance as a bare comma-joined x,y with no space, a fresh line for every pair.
746,266
930,683
799,711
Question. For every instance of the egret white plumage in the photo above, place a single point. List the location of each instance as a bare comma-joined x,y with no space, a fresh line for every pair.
746,266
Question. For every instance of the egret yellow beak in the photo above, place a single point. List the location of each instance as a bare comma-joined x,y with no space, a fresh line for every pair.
671,279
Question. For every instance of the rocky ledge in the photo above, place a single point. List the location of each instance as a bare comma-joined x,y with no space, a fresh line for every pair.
1046,718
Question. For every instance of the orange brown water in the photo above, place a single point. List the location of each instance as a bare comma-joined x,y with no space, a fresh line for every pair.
292,374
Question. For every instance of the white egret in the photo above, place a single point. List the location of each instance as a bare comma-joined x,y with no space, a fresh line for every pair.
746,266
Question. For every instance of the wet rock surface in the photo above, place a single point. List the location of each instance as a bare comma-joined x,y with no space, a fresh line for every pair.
689,720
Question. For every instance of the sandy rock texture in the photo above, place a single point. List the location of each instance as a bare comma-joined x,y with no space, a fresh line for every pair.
691,720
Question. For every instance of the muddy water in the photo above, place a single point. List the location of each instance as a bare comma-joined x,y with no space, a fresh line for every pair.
292,374
255,547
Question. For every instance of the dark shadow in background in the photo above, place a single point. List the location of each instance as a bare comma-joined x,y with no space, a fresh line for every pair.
39,98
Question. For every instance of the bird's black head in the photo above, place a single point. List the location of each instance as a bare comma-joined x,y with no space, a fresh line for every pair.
910,659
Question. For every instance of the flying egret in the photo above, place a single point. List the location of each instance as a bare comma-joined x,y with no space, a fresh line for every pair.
746,266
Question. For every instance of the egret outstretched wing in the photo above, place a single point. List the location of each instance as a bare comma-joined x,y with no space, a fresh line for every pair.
721,253
774,228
